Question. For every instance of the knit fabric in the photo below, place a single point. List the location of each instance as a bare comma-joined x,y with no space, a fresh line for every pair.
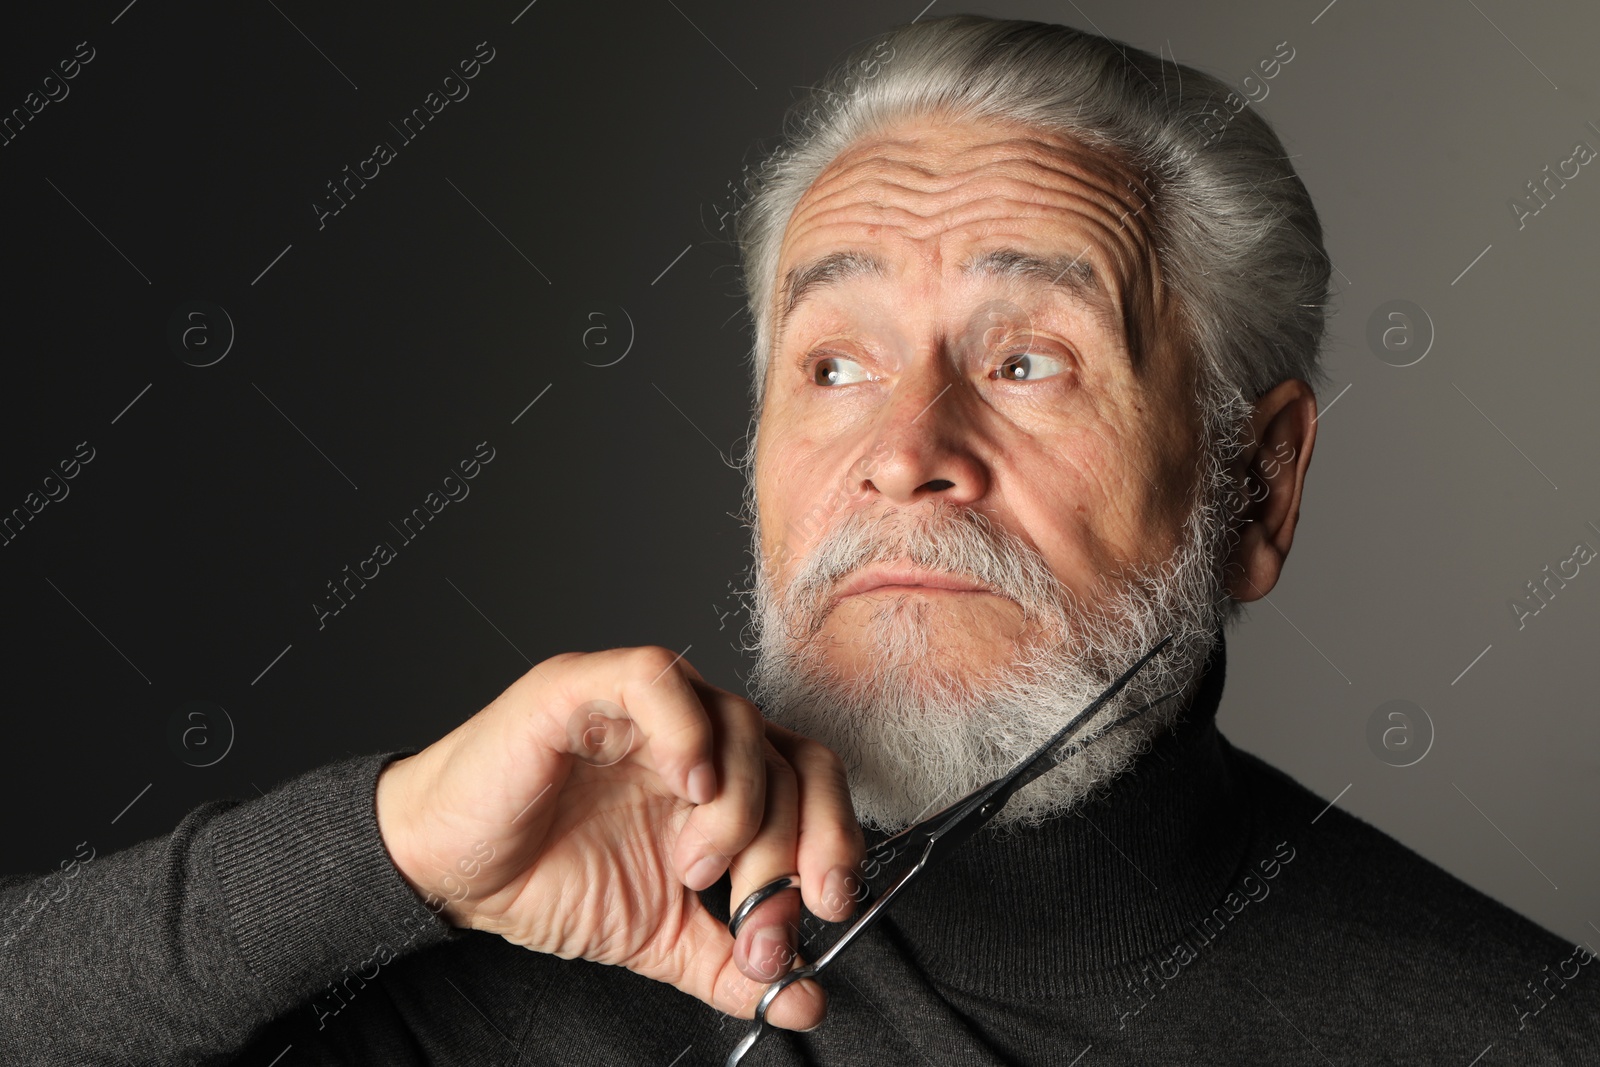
1205,909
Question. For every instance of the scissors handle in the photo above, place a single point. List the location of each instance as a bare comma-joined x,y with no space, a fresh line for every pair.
759,897
759,1024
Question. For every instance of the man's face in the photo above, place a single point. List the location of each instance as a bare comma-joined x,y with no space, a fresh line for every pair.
974,384
987,330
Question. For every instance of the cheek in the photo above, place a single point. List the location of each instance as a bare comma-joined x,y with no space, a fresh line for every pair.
792,490
1077,499
1144,466
1171,454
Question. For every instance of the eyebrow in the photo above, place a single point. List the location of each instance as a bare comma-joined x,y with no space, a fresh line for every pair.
1073,274
829,270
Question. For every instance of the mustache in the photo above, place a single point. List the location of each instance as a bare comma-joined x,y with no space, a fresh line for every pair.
946,538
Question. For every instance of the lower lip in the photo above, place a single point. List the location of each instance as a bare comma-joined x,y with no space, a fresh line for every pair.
917,589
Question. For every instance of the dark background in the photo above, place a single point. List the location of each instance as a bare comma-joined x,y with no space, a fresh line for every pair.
586,175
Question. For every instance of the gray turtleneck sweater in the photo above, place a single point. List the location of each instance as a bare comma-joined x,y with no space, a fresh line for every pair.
1206,909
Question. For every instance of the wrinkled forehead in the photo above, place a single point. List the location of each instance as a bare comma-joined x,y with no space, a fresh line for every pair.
939,196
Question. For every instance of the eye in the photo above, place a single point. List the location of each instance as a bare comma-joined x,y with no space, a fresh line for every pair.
1028,366
836,370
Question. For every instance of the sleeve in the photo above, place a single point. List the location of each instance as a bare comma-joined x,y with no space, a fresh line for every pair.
178,949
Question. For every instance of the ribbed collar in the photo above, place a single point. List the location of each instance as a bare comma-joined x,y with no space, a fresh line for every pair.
1064,908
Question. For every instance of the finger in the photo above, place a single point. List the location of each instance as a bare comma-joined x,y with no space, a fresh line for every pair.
801,1006
765,949
831,848
701,963
718,831
656,692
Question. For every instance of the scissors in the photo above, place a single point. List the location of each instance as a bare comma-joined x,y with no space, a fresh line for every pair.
938,836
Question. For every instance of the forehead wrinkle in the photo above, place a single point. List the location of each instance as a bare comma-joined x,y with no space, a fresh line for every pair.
944,169
1099,264
864,219
926,191
1024,179
907,168
1022,189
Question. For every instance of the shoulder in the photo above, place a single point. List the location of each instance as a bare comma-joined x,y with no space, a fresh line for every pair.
1373,879
1383,924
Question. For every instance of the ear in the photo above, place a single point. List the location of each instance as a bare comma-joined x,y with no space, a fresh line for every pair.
1269,476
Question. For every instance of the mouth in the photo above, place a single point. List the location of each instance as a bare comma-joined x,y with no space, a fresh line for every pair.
884,580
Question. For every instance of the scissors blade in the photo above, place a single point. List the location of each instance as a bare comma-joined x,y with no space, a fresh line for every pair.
1041,760
944,831
960,820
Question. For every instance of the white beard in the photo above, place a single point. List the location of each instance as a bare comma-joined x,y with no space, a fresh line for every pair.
915,735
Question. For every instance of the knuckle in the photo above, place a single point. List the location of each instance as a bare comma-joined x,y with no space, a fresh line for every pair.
815,758
779,770
747,715
824,845
738,827
829,761
536,675
650,662
748,781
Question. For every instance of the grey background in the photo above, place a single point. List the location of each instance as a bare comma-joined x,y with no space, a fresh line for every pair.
599,144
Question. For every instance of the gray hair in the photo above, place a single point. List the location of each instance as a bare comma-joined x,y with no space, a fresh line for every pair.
1237,239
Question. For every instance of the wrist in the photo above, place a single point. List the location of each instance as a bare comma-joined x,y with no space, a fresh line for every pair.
394,823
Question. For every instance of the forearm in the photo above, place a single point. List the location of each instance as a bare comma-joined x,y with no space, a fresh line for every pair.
179,948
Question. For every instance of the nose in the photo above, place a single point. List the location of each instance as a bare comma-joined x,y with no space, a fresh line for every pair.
925,438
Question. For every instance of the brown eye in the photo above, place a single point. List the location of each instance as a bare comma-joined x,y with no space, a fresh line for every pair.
1028,366
836,370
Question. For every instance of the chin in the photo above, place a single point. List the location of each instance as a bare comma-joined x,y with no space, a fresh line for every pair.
918,641
909,658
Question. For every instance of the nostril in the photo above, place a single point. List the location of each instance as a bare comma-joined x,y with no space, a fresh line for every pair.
939,485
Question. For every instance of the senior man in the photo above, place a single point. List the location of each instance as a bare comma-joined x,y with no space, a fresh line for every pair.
1035,338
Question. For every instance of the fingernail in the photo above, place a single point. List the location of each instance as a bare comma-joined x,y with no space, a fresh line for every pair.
836,895
821,995
703,784
769,951
706,870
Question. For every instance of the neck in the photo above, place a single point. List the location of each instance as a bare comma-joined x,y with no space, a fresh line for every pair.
1055,909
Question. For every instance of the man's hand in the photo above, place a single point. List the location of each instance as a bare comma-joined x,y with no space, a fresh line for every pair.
576,813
